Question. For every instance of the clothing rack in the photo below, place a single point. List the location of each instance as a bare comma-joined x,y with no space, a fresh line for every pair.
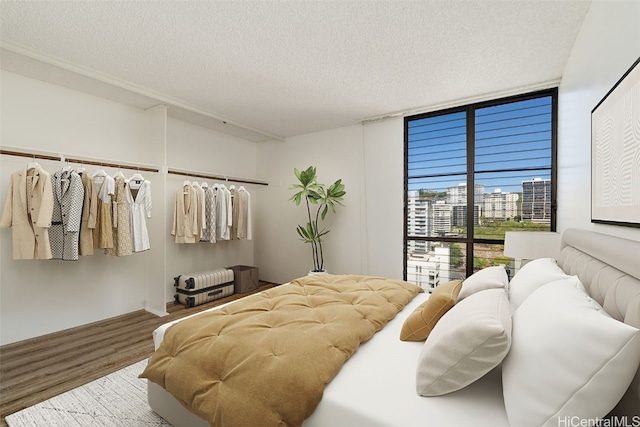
216,177
62,158
112,165
30,155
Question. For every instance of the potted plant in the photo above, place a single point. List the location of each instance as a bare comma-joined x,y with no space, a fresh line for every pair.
324,198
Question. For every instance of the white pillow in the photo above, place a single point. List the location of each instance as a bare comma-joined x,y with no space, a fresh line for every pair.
494,277
568,358
530,277
472,338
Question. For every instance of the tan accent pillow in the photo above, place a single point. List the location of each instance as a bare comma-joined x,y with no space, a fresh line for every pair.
419,324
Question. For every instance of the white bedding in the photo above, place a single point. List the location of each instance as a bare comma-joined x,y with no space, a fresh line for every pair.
360,394
377,386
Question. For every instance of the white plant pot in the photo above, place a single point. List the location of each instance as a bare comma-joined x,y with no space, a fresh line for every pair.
315,273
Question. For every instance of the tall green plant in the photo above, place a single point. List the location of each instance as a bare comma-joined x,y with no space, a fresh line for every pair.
323,198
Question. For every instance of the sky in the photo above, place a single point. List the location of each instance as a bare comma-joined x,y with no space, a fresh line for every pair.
507,137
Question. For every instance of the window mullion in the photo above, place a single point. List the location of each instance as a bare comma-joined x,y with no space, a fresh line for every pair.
554,161
471,123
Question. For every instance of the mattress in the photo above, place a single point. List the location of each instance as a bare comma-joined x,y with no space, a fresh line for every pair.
376,388
377,385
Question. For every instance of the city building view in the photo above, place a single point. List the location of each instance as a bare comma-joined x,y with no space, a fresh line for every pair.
444,214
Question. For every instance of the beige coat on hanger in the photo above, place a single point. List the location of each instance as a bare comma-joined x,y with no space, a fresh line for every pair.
185,215
30,233
89,215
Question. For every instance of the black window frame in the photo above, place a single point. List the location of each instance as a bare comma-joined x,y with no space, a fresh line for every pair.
469,240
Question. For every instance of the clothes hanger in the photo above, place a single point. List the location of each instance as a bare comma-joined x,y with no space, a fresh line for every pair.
137,177
33,164
119,174
99,173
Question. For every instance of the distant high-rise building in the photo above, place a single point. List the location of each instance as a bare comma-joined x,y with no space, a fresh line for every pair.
417,214
458,195
442,216
536,200
460,215
419,222
500,205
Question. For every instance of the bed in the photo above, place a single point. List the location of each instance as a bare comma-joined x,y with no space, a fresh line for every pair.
519,380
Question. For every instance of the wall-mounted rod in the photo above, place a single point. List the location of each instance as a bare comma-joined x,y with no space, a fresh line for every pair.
216,177
112,165
60,157
30,155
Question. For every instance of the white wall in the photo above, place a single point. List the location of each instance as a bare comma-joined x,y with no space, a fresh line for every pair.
384,204
43,296
337,154
608,44
366,234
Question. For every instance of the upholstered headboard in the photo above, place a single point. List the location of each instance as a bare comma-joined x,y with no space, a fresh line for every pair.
609,268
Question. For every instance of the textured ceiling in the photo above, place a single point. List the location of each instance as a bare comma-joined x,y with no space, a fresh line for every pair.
284,68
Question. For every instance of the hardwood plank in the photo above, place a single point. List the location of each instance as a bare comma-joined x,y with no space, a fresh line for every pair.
37,369
68,352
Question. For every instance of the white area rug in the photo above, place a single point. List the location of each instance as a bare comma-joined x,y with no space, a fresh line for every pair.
118,399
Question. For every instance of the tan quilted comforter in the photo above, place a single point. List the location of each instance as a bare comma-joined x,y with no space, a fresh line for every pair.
265,360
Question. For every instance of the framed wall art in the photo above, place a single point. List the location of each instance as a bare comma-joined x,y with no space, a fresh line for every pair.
615,153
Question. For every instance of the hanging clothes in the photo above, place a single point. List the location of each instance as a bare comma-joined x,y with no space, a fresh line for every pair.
28,209
223,212
139,199
64,233
185,214
200,196
233,232
209,232
89,214
105,188
122,245
227,195
243,201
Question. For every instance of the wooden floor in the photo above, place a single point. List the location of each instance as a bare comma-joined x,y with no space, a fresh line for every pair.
37,369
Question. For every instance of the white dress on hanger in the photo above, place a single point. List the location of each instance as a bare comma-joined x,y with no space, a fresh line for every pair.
139,198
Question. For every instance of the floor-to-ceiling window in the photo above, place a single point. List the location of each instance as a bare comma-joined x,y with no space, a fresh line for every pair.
471,174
